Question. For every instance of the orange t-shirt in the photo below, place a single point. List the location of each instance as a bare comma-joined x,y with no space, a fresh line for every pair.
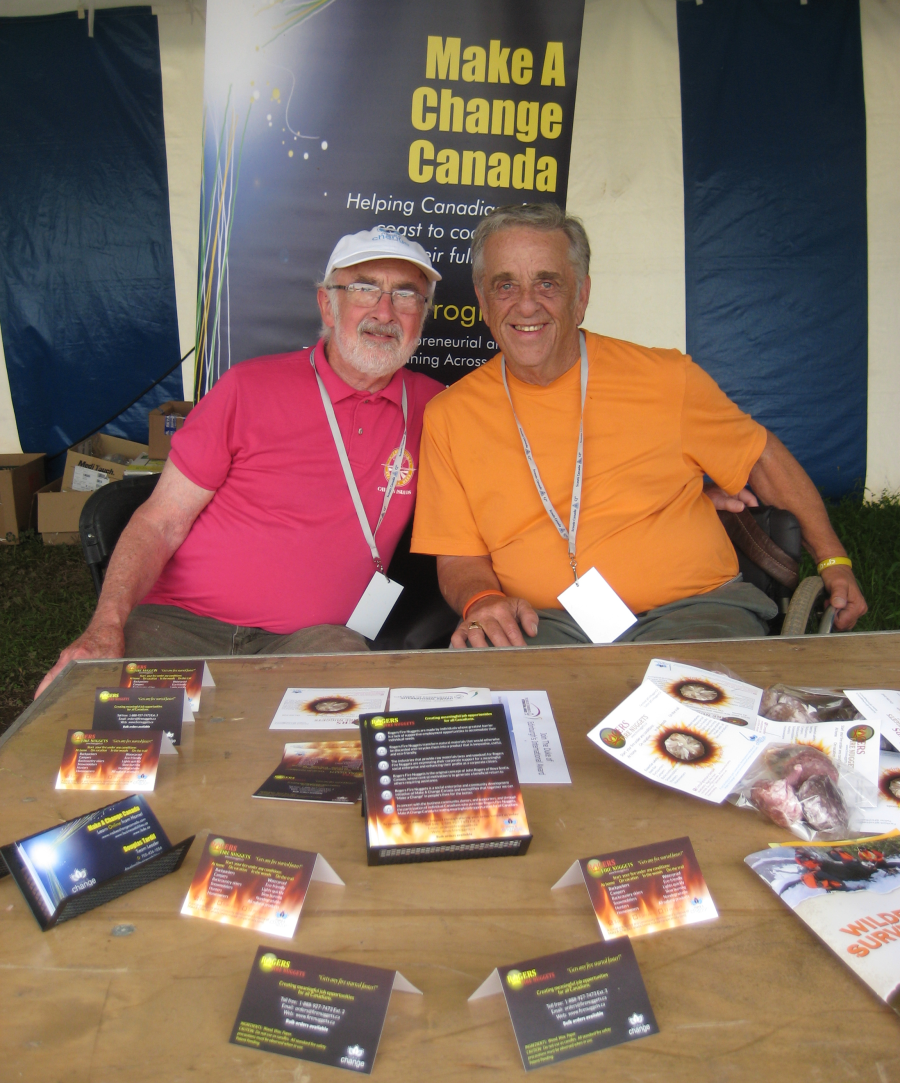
654,423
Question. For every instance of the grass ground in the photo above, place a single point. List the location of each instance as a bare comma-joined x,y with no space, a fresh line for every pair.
46,594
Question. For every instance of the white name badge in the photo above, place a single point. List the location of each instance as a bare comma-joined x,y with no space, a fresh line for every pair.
374,606
597,608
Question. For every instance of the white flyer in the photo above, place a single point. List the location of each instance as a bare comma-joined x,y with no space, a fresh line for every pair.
882,704
671,743
327,708
885,816
536,745
415,699
853,745
706,691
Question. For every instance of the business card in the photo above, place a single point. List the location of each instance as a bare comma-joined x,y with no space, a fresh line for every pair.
106,760
254,885
192,675
322,1010
326,708
574,1002
328,771
143,710
644,889
75,856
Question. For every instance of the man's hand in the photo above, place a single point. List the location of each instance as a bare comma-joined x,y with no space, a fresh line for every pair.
97,641
844,595
498,620
722,501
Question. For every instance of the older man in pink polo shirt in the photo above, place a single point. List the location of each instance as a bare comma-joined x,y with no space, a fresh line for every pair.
254,541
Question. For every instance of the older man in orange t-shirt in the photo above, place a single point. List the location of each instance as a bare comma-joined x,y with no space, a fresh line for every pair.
640,426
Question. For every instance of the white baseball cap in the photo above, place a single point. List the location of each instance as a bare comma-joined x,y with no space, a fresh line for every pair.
379,243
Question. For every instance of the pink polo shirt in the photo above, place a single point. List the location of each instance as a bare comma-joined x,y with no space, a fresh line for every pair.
280,546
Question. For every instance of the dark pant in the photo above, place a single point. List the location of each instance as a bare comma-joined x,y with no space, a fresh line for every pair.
167,631
736,610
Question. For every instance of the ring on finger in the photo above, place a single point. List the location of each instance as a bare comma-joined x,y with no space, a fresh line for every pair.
474,626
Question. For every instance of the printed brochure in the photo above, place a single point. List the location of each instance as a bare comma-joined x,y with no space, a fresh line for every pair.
848,893
329,771
706,691
671,743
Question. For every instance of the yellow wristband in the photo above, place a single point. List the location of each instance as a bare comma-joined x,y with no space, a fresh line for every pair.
830,563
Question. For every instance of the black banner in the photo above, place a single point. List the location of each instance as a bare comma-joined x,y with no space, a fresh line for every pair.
419,116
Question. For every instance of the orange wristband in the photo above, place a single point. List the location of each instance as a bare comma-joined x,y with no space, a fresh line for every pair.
477,598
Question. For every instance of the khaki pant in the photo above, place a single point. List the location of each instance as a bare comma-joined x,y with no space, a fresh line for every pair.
736,610
167,631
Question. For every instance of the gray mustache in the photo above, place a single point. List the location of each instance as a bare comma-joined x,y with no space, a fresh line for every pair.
377,328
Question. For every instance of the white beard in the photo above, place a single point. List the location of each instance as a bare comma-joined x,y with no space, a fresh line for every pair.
372,358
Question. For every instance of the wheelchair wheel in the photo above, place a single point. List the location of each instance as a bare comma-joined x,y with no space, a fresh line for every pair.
802,605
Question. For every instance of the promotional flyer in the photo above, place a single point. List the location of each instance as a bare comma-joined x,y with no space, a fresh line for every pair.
668,742
706,691
434,114
193,676
644,889
885,816
441,784
848,893
574,1002
322,1010
253,885
80,854
329,771
109,761
326,708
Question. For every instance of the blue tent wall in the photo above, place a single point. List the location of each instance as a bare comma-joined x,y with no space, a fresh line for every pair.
774,143
87,291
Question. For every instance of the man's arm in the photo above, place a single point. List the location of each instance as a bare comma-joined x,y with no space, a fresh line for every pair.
777,478
496,618
154,532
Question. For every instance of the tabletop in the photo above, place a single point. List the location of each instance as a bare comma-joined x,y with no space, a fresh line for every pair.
751,995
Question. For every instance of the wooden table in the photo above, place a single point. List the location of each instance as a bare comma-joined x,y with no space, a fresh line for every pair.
752,996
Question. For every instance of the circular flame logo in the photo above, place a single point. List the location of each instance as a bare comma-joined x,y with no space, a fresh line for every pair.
594,867
267,962
860,733
514,979
216,847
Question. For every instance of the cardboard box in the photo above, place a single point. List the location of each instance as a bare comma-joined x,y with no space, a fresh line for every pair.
90,464
58,514
20,478
164,422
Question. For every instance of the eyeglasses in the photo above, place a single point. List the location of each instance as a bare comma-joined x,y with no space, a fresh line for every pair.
365,295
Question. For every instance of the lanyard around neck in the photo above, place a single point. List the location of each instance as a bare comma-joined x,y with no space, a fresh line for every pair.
396,467
570,534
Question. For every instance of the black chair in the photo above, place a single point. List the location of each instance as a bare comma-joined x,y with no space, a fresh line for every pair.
420,619
105,515
769,544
